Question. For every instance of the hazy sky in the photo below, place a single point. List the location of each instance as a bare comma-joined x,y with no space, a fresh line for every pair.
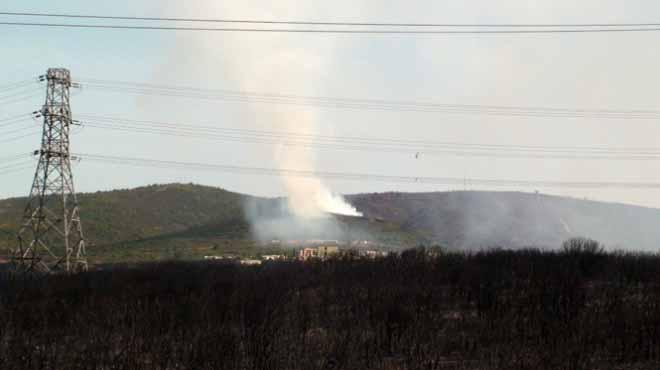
581,71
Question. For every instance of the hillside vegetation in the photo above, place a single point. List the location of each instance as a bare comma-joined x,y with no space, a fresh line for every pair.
178,221
187,221
481,219
146,213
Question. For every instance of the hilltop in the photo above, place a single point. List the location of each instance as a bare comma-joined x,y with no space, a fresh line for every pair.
186,220
144,216
174,221
478,219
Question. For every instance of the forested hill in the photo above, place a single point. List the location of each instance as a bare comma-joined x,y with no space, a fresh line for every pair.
145,212
455,219
476,219
190,215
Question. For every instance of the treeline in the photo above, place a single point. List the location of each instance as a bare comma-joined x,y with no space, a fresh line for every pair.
578,308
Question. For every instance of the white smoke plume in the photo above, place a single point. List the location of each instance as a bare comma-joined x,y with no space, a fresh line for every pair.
275,63
307,197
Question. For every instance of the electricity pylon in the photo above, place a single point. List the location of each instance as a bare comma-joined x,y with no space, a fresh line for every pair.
51,236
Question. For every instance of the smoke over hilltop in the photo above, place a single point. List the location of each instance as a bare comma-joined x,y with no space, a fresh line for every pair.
305,212
275,63
307,197
273,219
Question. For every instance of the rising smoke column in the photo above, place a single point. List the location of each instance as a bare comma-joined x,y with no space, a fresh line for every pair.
275,63
287,65
307,197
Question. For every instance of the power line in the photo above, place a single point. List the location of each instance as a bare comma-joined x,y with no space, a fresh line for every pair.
17,169
13,120
16,130
368,143
334,31
15,138
363,104
16,166
327,23
142,162
21,91
11,123
18,100
435,152
415,144
16,85
11,85
13,158
26,95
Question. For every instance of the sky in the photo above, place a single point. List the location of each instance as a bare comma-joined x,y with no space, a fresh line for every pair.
573,71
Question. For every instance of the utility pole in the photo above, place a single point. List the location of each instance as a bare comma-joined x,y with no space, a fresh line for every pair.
51,236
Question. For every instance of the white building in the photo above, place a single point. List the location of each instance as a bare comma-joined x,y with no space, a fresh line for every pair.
250,262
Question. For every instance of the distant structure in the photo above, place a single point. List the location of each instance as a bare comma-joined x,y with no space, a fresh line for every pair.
51,236
250,262
322,252
273,257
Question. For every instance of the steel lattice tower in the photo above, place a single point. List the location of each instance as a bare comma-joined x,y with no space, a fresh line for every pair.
51,236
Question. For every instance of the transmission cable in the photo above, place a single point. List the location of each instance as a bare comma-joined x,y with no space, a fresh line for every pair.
21,92
13,158
367,144
325,23
21,97
366,104
157,163
15,138
19,164
4,122
20,129
517,31
16,168
16,85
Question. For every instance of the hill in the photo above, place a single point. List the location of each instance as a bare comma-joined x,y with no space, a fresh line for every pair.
138,217
175,221
475,219
185,220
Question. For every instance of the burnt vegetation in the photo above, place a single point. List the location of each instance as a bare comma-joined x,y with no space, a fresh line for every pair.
576,308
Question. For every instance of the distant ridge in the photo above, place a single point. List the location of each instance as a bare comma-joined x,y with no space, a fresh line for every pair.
461,220
477,219
145,212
